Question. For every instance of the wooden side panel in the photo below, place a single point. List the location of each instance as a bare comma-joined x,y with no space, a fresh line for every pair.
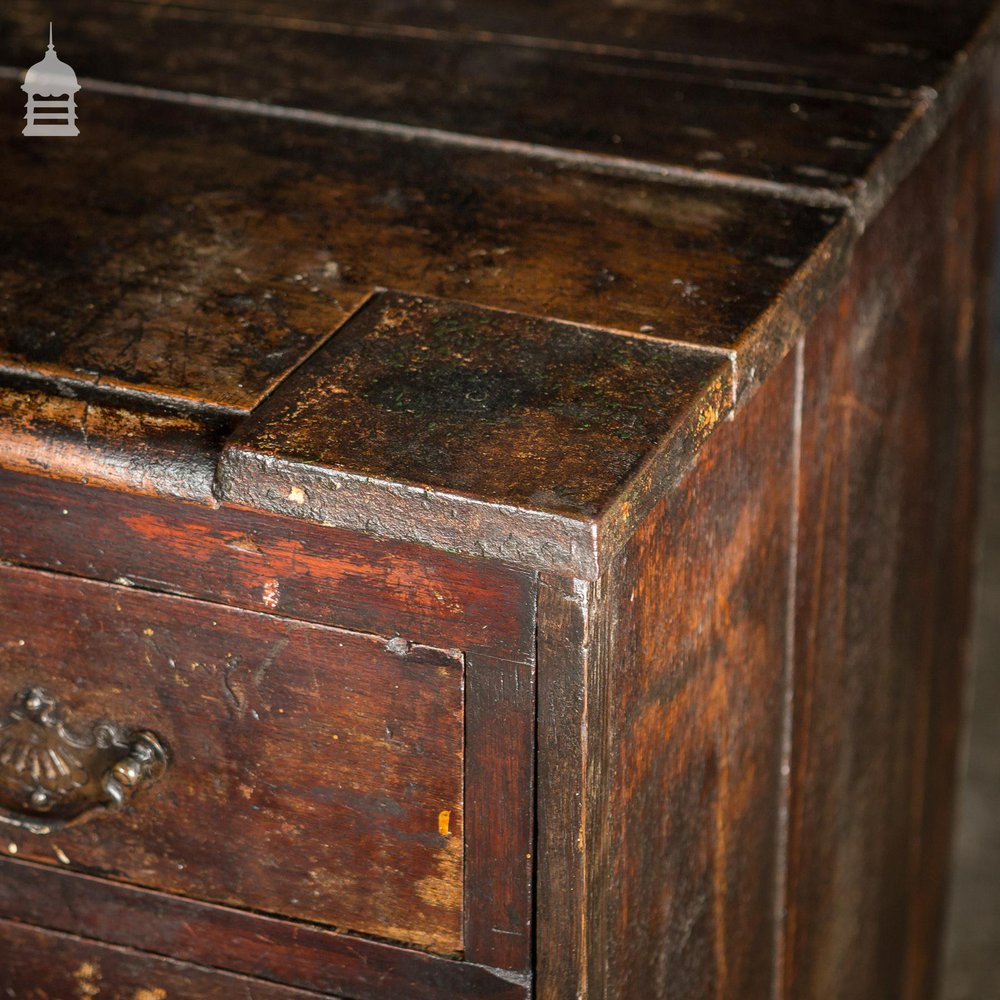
38,965
889,464
309,766
267,563
671,753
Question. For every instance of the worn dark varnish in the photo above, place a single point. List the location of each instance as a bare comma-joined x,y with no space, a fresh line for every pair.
300,755
499,812
247,267
303,956
270,564
872,48
889,467
694,662
669,865
572,772
70,966
86,437
704,118
413,408
146,266
634,595
433,393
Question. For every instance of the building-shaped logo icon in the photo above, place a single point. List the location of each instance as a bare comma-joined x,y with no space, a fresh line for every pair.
51,87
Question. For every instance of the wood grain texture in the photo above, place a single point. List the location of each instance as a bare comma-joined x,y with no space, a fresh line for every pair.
309,766
293,953
660,734
868,47
315,217
488,432
696,117
745,737
146,450
571,926
890,434
499,813
271,564
38,965
692,631
145,266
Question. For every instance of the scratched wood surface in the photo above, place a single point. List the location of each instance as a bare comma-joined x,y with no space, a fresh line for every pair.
246,268
695,117
269,564
41,964
303,757
872,47
516,434
889,468
670,869
300,955
192,311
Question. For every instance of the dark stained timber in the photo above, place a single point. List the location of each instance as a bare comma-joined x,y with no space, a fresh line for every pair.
487,495
690,117
406,424
887,512
249,268
257,561
301,757
72,967
307,957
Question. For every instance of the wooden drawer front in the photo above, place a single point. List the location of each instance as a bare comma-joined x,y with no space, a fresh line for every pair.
36,964
313,772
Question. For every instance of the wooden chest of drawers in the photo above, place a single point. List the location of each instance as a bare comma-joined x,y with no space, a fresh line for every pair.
487,497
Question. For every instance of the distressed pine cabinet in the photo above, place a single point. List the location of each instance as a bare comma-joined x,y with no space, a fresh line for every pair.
487,495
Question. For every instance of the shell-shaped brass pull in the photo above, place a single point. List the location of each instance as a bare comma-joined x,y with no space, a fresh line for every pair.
52,776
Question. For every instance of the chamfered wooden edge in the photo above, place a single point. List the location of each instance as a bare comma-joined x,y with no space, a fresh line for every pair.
293,954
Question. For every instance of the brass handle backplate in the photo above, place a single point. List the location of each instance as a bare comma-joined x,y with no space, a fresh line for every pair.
52,776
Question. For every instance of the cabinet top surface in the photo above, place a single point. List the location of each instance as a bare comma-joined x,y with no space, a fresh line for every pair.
601,225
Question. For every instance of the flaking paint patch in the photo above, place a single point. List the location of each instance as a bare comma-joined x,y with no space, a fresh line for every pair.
88,980
272,593
711,408
152,993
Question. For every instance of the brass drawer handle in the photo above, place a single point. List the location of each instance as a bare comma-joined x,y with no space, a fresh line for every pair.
52,777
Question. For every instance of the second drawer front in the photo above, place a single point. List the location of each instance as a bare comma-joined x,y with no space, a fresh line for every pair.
312,772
